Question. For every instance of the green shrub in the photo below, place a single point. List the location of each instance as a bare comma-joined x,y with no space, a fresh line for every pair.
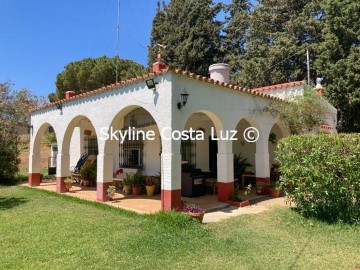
321,174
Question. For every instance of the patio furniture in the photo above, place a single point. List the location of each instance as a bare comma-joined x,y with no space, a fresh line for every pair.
193,185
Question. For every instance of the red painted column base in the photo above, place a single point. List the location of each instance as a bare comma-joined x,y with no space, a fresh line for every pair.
34,179
171,200
60,185
101,191
225,191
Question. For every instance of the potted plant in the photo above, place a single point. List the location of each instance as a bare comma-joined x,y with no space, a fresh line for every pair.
68,183
127,182
150,186
237,200
157,182
259,187
194,211
240,164
87,174
138,181
111,192
275,188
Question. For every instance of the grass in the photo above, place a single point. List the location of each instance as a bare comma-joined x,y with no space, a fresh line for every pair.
43,230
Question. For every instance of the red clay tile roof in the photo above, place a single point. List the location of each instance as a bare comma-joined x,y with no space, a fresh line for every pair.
168,70
277,86
328,127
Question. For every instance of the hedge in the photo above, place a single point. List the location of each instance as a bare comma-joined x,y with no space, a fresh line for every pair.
321,175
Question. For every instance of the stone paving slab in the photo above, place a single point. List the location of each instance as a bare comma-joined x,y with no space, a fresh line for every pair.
232,211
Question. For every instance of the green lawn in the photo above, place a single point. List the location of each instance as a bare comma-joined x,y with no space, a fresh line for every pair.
42,230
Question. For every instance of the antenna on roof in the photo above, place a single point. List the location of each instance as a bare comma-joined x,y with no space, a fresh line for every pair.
117,41
308,65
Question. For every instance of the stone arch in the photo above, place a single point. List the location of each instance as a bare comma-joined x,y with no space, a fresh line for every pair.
73,123
35,159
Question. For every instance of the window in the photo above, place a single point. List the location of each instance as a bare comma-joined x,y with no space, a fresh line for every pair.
131,152
188,152
91,145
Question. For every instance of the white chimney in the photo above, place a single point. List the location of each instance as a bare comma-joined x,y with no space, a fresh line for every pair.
220,72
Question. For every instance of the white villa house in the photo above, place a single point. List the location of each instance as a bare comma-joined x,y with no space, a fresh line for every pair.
157,108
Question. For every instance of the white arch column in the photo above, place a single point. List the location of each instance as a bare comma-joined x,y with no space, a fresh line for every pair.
262,157
104,177
225,170
62,171
34,169
170,174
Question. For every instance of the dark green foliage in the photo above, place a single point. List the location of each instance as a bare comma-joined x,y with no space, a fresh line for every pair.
14,114
276,41
240,164
338,59
235,32
304,113
91,73
321,174
189,30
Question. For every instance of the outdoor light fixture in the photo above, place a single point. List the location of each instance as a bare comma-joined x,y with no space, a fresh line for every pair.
184,97
59,105
151,84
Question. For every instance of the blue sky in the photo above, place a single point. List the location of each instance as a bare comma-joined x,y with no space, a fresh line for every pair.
39,37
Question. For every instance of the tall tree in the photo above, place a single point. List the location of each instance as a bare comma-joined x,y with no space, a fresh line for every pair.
235,31
15,106
190,32
91,73
338,60
279,33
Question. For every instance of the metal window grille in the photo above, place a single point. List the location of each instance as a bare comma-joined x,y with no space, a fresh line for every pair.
91,145
131,153
188,152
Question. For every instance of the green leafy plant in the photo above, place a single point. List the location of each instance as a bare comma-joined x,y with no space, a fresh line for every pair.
240,164
138,180
111,191
68,180
88,171
128,179
275,185
302,113
321,175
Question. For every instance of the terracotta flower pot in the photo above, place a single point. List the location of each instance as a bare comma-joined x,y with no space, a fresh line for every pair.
274,193
127,189
86,182
150,190
198,216
68,187
136,190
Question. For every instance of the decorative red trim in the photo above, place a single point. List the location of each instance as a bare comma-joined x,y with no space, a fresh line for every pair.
34,179
60,185
225,191
101,191
171,200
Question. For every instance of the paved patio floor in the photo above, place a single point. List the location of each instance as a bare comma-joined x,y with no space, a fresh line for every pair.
215,211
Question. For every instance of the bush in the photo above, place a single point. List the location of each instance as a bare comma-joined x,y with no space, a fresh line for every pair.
321,174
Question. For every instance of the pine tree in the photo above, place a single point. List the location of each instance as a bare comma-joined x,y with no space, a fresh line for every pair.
237,25
91,73
190,33
279,33
338,60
